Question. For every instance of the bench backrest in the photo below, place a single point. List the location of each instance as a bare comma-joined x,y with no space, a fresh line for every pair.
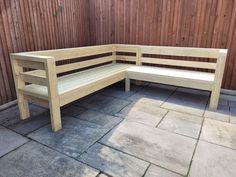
137,54
67,55
159,55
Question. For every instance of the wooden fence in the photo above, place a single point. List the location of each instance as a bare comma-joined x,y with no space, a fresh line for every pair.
191,23
27,25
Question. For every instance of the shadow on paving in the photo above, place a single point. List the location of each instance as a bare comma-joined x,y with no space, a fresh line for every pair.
153,131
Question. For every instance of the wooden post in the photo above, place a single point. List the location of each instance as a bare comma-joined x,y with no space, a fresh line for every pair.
53,96
127,84
23,103
138,62
215,94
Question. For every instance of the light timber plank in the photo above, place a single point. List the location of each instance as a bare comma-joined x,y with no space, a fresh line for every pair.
53,96
183,63
19,84
83,64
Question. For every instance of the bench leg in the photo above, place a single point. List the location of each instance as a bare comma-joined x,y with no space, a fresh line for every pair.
127,84
214,100
23,105
55,116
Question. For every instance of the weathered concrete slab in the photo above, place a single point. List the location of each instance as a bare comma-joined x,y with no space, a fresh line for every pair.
114,106
35,160
113,162
10,140
74,138
219,132
73,110
233,115
188,101
105,104
222,113
232,103
11,116
146,111
33,123
181,123
159,147
155,171
117,92
99,118
95,101
103,175
154,91
212,160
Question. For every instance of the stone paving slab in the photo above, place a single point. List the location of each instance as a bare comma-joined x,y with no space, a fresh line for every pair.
101,119
105,104
155,171
181,123
11,116
73,110
222,113
95,101
31,124
10,140
73,139
154,91
159,147
213,161
103,175
114,106
146,111
232,103
117,92
35,160
219,132
233,115
112,162
188,101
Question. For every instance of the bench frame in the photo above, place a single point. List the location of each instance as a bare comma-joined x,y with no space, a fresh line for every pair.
46,61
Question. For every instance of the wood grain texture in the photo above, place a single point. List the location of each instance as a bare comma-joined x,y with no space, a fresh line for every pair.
185,23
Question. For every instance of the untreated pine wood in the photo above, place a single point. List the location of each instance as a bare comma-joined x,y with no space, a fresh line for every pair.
46,87
53,96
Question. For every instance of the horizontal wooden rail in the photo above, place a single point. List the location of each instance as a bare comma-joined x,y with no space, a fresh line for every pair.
30,57
181,51
127,48
63,54
31,64
182,63
83,64
126,58
28,78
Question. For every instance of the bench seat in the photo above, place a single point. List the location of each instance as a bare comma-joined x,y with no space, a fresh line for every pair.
179,77
78,80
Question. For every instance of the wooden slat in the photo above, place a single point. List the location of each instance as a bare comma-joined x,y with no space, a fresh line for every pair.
34,79
183,63
126,58
63,54
90,88
32,64
30,57
83,64
126,48
181,51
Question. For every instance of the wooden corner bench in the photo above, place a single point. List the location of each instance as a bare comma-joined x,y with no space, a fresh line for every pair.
55,78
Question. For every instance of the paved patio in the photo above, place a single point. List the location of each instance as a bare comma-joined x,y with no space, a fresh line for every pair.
152,131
